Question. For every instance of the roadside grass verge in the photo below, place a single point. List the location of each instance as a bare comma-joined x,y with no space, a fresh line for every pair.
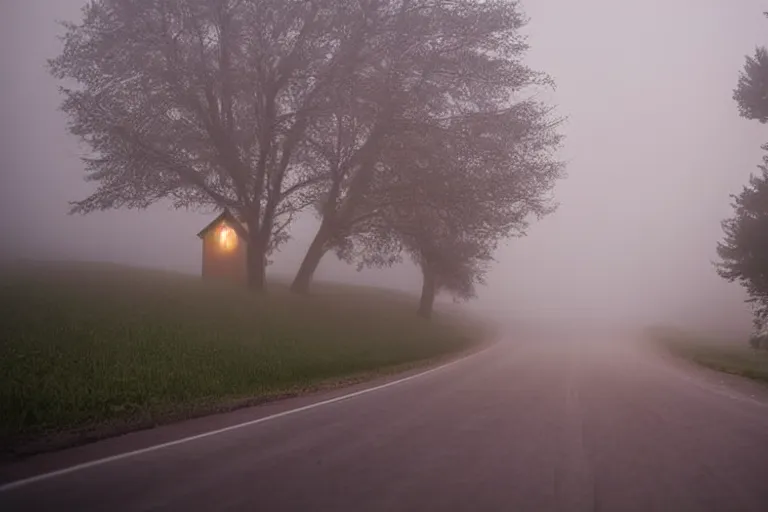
736,358
90,350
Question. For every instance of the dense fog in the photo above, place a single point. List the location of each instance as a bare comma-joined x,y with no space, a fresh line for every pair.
654,146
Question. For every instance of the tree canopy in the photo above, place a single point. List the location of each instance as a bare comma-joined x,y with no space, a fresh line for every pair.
744,249
462,103
481,181
751,92
410,127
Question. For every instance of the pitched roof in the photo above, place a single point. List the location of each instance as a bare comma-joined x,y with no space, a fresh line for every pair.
240,228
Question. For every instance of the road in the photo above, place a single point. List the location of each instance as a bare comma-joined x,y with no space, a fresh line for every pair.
577,424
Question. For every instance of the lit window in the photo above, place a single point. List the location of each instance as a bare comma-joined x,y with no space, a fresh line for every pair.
227,237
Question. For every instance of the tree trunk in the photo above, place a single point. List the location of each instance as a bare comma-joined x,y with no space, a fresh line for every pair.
428,292
311,260
256,262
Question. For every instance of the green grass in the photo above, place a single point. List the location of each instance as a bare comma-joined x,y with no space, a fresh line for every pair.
736,358
90,346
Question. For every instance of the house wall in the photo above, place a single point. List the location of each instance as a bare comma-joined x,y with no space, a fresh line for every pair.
221,263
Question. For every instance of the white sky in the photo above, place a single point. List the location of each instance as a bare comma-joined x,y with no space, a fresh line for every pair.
654,144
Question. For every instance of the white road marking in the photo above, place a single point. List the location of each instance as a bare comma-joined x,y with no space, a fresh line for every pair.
106,460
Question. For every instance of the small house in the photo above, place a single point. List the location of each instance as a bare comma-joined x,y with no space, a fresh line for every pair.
224,249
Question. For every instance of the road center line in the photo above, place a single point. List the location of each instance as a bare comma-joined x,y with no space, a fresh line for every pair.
106,460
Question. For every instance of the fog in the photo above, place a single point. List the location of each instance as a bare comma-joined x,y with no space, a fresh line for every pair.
654,148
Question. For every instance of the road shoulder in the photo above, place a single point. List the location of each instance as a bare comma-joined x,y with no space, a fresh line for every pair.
145,439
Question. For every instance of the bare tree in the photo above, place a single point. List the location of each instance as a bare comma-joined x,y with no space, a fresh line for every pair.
206,103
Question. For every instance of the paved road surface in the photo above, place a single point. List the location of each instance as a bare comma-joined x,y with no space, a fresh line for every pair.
568,425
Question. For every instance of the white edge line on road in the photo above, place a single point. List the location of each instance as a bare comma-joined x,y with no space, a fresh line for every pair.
106,460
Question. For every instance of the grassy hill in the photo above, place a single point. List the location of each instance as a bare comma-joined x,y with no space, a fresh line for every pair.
94,349
734,357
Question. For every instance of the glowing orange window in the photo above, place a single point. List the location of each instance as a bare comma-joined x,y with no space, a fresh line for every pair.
227,237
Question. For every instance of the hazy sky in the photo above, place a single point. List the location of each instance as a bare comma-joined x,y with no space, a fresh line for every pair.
654,145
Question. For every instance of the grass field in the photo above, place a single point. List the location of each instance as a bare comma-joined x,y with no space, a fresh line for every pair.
737,358
100,348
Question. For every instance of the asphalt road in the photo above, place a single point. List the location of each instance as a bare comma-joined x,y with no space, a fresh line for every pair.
543,425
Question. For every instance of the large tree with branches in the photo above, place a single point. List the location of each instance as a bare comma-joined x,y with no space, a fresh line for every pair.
436,66
206,103
462,189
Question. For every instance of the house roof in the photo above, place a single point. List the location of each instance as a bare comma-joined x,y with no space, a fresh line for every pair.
240,228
